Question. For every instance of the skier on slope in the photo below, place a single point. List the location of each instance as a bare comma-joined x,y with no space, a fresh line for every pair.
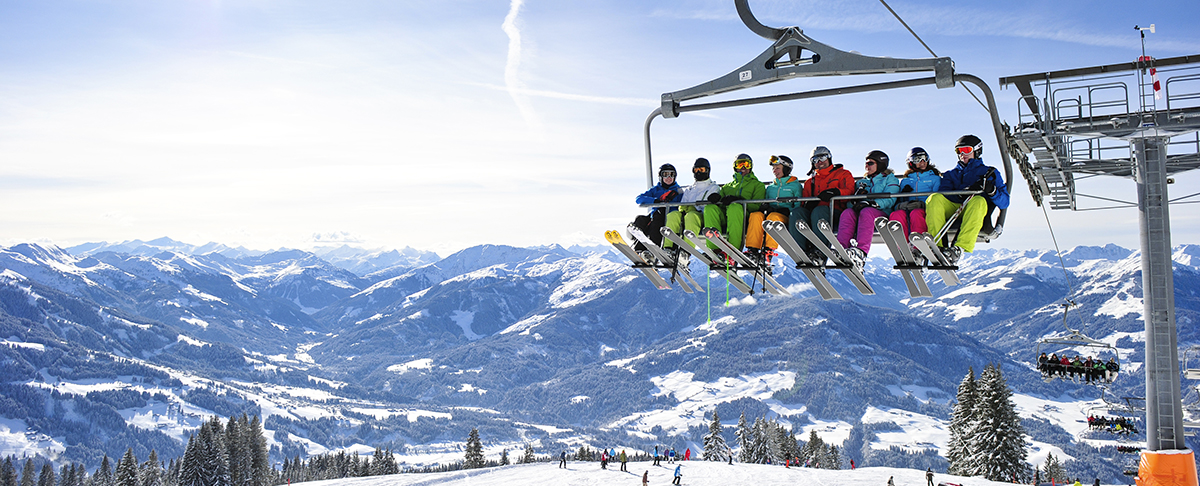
970,174
760,247
665,191
725,214
922,176
692,217
678,474
858,221
826,182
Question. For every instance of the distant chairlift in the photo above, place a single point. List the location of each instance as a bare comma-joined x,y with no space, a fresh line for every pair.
796,55
1070,344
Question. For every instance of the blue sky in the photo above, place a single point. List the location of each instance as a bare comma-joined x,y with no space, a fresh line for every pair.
446,124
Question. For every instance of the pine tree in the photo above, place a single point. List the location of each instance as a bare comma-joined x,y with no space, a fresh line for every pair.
8,473
236,452
528,457
504,457
191,468
715,448
104,474
27,474
833,459
745,440
1053,471
127,469
759,445
216,461
813,450
474,457
47,476
997,431
260,454
960,447
151,473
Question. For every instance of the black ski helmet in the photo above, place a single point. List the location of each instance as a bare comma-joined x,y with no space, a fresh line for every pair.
914,154
701,169
973,142
742,157
881,160
665,168
784,161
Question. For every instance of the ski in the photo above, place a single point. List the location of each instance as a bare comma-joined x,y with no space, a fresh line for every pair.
814,272
681,243
614,237
717,264
927,247
769,282
893,235
837,254
665,257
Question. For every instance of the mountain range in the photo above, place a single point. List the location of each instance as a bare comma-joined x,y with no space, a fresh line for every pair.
132,344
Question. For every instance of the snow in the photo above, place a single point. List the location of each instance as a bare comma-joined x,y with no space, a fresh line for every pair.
694,473
302,353
16,342
624,363
523,326
975,288
201,295
920,393
464,320
194,342
195,322
695,398
917,431
17,440
417,364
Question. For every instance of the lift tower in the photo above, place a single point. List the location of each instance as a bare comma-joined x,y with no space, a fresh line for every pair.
1119,120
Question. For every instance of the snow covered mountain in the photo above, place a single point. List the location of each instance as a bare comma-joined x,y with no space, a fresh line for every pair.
540,345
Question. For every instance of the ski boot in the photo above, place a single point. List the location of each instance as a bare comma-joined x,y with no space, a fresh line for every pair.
857,257
953,254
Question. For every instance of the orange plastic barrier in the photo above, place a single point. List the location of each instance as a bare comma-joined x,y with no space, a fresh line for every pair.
1167,468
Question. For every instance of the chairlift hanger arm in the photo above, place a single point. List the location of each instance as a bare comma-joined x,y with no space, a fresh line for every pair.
791,44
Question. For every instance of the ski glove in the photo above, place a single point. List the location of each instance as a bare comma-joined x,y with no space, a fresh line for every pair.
869,203
828,194
811,205
985,185
714,198
906,189
731,199
666,196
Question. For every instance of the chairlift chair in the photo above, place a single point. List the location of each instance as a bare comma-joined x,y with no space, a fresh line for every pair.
797,55
1073,341
1191,363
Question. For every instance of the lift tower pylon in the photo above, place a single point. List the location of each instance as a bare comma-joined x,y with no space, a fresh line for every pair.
1105,120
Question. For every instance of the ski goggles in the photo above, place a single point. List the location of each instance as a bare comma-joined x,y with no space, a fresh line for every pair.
741,164
967,150
820,158
776,161
666,173
918,158
700,170
870,162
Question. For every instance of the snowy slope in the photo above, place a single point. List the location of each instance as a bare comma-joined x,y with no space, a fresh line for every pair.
694,473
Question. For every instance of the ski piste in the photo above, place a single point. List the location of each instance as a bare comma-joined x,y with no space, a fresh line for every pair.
893,235
614,237
836,253
926,245
716,263
769,283
665,257
814,272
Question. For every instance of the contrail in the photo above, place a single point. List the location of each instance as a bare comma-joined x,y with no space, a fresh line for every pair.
511,80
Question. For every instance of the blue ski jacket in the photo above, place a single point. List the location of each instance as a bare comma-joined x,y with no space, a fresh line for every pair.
928,181
886,183
962,177
652,195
